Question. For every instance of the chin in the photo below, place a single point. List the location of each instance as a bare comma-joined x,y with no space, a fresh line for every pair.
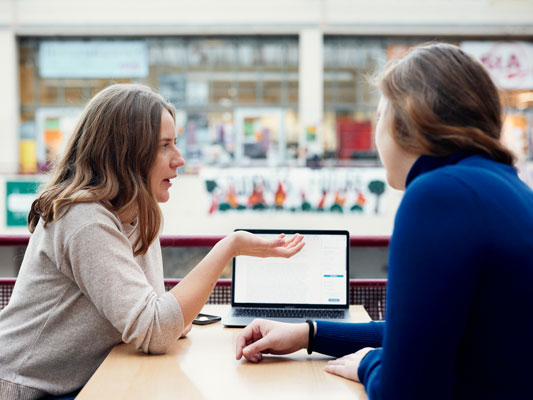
394,184
162,198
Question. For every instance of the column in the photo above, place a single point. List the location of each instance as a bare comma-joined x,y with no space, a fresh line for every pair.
9,101
310,92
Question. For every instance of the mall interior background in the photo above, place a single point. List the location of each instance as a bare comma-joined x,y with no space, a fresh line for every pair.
275,106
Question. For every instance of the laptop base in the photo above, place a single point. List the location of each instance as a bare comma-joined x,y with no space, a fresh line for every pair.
232,321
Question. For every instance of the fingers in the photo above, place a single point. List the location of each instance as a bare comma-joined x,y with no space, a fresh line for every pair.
294,240
335,369
290,251
252,341
253,351
345,366
245,337
341,368
186,330
291,247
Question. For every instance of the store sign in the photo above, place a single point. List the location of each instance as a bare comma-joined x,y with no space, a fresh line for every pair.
19,198
510,64
93,59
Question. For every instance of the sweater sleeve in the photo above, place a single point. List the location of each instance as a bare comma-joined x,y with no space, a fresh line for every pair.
338,339
433,256
106,272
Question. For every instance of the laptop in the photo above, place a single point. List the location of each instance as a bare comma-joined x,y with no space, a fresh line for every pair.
312,284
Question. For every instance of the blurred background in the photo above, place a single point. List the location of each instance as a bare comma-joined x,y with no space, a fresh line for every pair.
275,106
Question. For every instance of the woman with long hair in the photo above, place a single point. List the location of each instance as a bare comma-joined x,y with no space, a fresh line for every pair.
92,274
460,270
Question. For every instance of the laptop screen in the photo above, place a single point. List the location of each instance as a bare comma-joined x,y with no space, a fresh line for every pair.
317,275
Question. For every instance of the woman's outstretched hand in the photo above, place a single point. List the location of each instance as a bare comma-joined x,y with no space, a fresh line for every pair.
247,244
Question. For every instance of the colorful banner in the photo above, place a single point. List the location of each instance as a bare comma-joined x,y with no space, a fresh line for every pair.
334,190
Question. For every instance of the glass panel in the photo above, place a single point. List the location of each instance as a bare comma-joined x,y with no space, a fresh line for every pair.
223,92
27,84
272,92
247,92
247,55
97,85
48,94
26,115
273,54
293,92
346,89
74,95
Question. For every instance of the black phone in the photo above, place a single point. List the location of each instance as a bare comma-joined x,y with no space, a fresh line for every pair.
204,319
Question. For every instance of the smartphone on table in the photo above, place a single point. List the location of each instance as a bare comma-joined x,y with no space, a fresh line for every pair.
205,319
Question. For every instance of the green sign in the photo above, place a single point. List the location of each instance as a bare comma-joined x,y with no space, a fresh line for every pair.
19,197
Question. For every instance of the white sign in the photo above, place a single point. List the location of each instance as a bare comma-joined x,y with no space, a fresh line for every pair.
93,59
510,64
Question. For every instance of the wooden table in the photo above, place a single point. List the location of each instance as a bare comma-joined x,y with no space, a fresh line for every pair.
203,366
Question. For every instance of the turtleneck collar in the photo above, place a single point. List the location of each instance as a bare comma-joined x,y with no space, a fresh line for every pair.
426,163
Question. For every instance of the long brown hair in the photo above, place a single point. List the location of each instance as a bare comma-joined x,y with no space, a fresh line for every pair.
108,159
443,101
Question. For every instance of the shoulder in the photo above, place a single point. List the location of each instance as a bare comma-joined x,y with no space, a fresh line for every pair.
448,186
442,203
80,214
82,217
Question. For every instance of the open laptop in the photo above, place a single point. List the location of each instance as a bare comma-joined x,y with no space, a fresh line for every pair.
312,284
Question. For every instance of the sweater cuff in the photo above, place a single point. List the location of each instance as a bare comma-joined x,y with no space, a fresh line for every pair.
368,365
338,339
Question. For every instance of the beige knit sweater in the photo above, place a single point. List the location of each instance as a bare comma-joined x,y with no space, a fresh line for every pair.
79,292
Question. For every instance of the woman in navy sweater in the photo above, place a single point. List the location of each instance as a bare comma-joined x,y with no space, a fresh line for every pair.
460,284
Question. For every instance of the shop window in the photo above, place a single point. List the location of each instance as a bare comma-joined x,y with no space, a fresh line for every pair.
205,78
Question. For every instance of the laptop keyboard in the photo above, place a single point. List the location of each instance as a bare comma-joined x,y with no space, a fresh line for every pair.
288,313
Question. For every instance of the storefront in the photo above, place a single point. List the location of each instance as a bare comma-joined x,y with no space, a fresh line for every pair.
237,97
239,101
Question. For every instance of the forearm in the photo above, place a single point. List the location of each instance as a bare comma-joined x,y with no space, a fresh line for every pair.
339,339
194,290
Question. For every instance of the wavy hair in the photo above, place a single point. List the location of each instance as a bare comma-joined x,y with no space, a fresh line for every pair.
443,101
108,160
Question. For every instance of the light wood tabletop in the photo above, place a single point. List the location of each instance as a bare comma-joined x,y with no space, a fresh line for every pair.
203,366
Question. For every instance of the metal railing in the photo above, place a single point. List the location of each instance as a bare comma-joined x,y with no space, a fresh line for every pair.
370,293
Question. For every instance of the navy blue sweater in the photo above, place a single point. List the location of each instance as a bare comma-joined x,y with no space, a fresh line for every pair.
460,289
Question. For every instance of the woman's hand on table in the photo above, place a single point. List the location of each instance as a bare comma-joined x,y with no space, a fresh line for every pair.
348,365
270,337
247,244
186,330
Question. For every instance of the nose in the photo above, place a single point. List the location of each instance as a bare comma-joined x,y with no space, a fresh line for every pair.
177,160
